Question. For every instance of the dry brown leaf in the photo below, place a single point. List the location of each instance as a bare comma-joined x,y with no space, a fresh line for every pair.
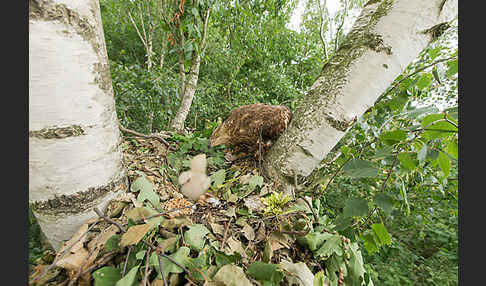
254,203
77,245
217,228
103,237
233,245
245,179
248,232
166,243
134,234
73,260
278,241
261,232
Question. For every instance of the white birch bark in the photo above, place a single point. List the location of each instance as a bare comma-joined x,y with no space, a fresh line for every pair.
74,155
188,96
189,89
384,40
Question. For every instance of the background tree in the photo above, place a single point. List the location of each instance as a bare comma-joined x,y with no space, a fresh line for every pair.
74,154
370,58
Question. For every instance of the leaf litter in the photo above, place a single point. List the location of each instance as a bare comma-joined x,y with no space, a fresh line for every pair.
229,243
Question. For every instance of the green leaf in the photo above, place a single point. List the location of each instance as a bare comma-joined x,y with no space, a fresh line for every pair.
106,276
380,231
369,243
415,113
196,236
437,127
453,149
265,272
146,191
113,242
218,178
357,168
385,202
444,164
255,181
451,68
342,222
319,279
398,102
424,81
407,161
433,53
355,207
422,154
383,152
223,259
355,264
231,275
436,75
314,240
393,137
403,192
181,256
332,245
129,278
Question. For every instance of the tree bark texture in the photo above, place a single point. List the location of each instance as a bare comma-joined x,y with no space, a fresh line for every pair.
384,40
188,96
75,163
190,87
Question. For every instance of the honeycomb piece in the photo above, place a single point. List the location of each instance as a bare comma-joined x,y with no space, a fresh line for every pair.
178,203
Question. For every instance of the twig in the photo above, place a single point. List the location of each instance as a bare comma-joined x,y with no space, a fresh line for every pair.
154,136
336,41
101,215
107,257
126,260
225,233
162,269
146,267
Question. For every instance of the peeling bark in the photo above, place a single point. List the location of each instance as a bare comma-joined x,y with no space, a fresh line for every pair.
385,38
74,154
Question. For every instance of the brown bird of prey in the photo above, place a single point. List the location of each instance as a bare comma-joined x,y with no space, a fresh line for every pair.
194,182
250,124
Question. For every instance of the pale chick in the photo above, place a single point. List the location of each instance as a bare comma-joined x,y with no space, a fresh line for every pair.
194,182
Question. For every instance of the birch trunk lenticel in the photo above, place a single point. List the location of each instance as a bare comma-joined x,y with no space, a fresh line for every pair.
74,155
384,40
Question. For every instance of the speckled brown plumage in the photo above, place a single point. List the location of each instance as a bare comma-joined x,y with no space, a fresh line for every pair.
244,123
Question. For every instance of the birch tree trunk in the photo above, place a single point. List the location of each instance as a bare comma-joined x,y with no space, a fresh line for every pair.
75,163
189,89
188,95
384,40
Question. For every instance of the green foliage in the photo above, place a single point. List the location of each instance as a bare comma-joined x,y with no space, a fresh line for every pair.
275,203
395,193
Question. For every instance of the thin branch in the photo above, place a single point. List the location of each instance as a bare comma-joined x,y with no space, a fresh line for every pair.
336,41
321,27
101,215
162,270
126,261
203,39
154,136
136,28
146,268
141,18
